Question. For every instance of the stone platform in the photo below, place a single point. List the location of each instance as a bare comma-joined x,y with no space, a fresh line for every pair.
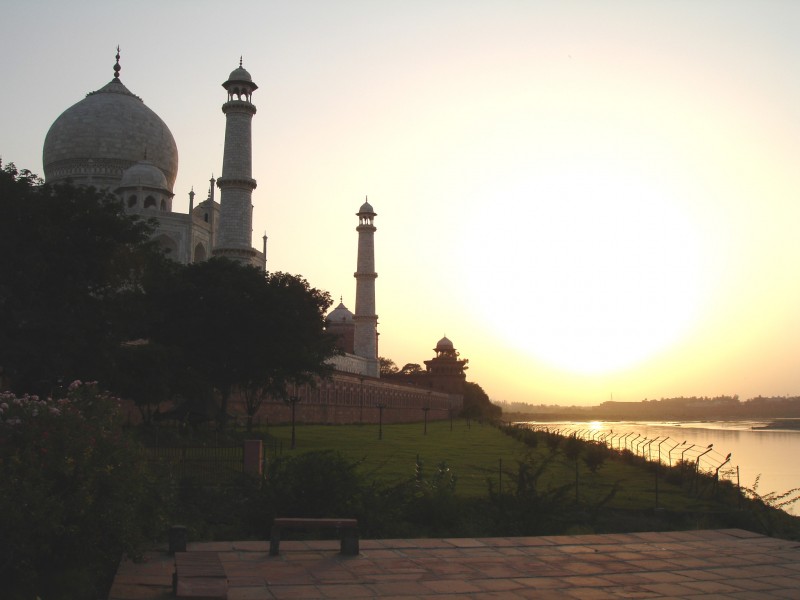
711,564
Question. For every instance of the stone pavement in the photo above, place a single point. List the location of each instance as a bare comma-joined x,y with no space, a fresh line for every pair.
709,564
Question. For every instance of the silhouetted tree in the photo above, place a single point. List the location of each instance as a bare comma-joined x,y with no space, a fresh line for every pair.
387,366
477,404
246,330
70,280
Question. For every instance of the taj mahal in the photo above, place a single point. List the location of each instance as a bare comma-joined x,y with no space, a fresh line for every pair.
112,141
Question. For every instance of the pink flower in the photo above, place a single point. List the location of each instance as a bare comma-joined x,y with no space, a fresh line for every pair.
74,385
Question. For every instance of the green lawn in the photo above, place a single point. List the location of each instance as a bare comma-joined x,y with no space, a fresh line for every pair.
475,453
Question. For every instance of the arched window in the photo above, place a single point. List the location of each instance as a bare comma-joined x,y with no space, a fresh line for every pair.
149,202
199,253
131,201
163,204
205,216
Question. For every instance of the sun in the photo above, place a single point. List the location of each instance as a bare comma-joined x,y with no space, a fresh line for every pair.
589,274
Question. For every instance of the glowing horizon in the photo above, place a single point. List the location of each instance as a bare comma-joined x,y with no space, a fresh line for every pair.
588,198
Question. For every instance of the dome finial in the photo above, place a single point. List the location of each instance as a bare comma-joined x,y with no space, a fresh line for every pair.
117,68
240,61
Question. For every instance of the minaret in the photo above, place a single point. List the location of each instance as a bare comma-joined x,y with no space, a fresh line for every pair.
236,185
366,321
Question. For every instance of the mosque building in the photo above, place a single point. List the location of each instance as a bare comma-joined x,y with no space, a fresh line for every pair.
111,140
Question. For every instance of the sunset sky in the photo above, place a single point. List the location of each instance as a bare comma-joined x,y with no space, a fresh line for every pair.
589,198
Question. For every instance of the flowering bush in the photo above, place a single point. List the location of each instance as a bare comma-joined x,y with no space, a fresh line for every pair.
75,494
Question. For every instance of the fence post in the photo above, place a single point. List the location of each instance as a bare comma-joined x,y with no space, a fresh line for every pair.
252,453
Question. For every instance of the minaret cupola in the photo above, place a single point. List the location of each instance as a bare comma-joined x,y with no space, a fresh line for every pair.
240,84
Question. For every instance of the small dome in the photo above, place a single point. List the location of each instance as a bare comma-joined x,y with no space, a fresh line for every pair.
239,74
366,208
444,344
144,174
340,314
95,140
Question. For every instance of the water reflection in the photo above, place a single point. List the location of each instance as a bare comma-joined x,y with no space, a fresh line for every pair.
765,452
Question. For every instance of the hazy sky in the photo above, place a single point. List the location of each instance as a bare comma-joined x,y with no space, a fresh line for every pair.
588,198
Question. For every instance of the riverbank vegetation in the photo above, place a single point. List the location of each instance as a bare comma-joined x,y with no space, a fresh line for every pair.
471,479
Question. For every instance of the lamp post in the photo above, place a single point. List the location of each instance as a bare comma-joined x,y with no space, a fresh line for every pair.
450,412
361,403
380,406
425,410
292,401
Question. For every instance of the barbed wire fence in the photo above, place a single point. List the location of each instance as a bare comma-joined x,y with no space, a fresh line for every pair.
664,450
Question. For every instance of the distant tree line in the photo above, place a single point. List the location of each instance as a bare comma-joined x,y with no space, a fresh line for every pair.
693,407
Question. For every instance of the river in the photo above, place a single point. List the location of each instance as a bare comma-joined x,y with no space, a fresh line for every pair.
771,455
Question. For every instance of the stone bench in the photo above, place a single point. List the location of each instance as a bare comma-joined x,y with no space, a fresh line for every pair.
200,576
347,529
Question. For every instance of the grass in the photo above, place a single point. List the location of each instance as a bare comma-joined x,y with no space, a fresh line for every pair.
475,453
619,496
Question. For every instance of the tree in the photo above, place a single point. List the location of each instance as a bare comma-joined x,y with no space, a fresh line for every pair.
145,372
70,284
477,404
245,330
410,368
387,366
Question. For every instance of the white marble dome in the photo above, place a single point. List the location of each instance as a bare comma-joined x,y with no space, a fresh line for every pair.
144,174
94,141
340,314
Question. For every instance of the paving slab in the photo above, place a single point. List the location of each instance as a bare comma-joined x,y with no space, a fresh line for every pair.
728,563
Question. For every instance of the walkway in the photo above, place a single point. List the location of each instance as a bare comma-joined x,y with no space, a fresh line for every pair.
688,564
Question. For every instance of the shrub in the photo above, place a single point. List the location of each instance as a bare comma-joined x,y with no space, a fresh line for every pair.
76,494
314,484
596,454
